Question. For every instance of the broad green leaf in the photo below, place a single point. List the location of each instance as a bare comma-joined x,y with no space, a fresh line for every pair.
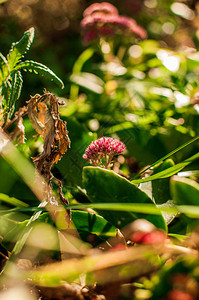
40,69
13,201
104,186
168,172
20,48
92,223
184,191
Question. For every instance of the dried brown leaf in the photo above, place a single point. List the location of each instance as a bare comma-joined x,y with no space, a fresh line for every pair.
44,115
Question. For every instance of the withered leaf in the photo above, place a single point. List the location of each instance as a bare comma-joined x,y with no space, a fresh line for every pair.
44,115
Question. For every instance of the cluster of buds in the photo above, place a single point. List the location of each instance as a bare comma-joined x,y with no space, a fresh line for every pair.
105,149
103,20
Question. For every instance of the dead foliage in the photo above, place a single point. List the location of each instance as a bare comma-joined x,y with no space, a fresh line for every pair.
44,116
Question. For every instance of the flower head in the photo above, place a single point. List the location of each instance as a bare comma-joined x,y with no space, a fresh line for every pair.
104,147
104,7
105,16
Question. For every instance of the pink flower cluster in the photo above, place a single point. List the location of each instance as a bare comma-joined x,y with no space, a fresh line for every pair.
103,20
104,147
103,7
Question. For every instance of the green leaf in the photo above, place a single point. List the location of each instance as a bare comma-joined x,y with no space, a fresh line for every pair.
40,69
20,48
13,201
4,70
5,92
169,154
184,191
104,186
16,86
168,172
92,223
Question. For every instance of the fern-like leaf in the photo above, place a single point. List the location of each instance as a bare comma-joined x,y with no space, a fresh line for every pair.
4,70
40,69
20,48
5,92
11,91
16,86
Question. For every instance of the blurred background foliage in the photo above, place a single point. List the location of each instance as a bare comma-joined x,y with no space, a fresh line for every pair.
144,92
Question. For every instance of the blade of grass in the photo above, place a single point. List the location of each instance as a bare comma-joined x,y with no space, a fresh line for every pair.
13,201
168,172
190,210
167,156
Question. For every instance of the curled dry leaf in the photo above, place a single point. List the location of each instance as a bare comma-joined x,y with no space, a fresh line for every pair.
44,115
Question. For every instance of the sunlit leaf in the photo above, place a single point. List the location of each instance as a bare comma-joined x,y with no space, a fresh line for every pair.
106,186
39,69
13,201
168,172
20,48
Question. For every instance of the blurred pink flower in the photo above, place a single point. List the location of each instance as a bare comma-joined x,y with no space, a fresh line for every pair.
104,147
101,7
96,18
